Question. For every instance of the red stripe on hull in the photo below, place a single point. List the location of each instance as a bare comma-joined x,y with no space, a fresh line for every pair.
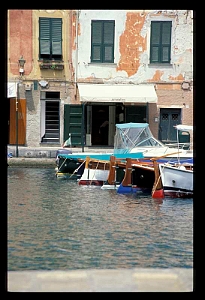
91,182
178,194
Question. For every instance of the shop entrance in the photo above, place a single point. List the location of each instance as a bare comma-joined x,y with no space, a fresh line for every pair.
100,127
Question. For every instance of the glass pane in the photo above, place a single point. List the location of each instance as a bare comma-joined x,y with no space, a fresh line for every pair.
108,32
96,53
165,54
108,53
45,47
96,32
155,34
56,48
44,28
155,54
166,32
56,29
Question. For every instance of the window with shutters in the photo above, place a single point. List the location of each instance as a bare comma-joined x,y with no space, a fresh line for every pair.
160,43
102,41
50,38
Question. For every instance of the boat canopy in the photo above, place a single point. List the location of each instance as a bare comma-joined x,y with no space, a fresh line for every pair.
132,135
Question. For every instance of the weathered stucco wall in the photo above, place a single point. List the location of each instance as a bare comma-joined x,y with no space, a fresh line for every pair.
132,40
23,39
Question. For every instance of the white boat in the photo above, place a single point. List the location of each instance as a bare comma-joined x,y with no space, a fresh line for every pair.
95,172
136,137
177,180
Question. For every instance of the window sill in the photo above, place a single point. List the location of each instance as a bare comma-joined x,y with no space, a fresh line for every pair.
160,65
102,64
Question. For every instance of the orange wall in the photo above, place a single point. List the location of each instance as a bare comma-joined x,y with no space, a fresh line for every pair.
20,40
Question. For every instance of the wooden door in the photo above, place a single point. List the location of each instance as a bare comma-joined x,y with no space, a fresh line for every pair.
169,117
74,124
21,122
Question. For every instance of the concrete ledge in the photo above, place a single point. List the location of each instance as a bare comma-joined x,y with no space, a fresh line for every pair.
103,280
31,162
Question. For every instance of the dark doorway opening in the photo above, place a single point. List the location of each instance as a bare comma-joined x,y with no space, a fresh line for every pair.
100,114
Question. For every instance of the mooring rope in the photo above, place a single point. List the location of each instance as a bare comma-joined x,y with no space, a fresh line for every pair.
76,170
61,166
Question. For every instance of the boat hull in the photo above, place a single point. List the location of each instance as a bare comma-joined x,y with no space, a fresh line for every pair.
177,182
71,168
93,177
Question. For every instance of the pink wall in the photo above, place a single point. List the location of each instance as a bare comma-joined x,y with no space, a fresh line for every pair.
20,36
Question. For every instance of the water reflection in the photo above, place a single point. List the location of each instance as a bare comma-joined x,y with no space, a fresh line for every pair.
58,224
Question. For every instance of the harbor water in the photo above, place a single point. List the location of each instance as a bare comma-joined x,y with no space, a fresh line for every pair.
56,224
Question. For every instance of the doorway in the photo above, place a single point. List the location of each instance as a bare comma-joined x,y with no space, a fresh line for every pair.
100,114
50,117
169,117
12,126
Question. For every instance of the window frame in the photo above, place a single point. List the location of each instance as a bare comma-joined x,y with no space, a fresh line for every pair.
102,45
49,35
161,45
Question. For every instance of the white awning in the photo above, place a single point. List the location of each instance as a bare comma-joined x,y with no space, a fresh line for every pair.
141,93
11,89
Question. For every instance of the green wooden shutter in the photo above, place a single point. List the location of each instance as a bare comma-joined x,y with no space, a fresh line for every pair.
56,36
45,32
166,42
160,43
96,41
73,123
108,41
102,41
155,42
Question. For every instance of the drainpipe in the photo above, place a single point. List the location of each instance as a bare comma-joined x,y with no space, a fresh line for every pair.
17,129
76,53
76,79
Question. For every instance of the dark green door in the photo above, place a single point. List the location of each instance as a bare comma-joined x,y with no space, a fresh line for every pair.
73,123
169,117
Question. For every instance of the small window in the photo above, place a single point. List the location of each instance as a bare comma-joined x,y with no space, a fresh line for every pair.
102,41
160,44
50,38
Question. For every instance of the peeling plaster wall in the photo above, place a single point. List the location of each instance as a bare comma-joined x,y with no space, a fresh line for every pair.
132,40
89,71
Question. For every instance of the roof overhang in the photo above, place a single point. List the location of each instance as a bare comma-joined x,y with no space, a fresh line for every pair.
125,93
11,89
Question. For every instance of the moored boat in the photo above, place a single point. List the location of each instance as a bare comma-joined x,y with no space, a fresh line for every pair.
95,172
177,177
139,177
177,180
133,140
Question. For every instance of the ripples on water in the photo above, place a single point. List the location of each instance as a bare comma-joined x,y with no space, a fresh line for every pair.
58,224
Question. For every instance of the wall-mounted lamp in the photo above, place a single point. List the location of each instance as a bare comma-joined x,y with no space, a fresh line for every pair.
185,85
21,65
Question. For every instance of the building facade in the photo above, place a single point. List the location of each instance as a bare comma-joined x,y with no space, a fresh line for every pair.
43,39
85,67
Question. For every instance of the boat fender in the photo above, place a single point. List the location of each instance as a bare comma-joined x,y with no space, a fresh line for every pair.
158,194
